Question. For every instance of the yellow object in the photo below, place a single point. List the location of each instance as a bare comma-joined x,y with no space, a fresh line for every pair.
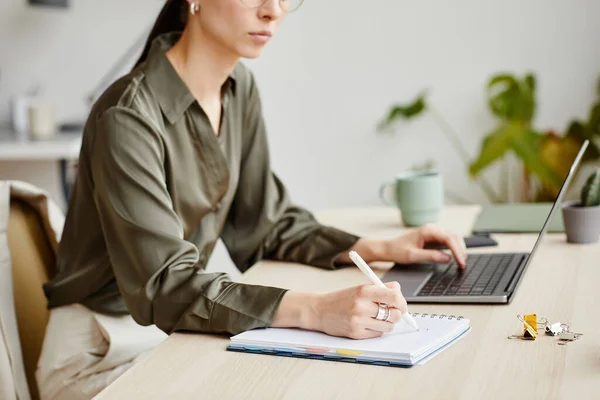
349,352
530,326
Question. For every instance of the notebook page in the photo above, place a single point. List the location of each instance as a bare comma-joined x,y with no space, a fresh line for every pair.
403,342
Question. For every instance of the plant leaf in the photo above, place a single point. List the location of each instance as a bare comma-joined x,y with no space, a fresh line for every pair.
594,120
493,147
579,133
527,146
500,90
404,111
530,82
576,130
512,99
559,153
524,142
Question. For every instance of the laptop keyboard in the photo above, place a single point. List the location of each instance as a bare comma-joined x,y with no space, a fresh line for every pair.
480,278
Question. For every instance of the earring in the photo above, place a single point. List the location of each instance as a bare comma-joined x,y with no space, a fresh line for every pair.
194,8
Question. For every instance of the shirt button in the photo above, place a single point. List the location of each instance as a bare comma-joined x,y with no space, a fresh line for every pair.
217,206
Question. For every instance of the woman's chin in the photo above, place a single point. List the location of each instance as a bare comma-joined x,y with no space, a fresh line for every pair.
251,51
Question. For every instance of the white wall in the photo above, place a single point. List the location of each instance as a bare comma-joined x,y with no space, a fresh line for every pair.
66,51
338,64
333,70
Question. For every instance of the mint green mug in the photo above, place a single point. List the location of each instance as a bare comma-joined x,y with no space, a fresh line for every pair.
418,195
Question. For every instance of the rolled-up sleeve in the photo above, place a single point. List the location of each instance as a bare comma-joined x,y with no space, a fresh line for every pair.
263,222
156,269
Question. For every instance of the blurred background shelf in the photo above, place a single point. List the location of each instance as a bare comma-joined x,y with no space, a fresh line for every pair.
42,163
62,146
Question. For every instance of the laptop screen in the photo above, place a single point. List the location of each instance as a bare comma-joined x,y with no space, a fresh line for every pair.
559,197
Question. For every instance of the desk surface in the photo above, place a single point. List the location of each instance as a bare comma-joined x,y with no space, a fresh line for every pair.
561,283
65,146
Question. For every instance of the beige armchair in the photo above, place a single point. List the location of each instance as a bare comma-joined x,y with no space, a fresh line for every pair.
33,264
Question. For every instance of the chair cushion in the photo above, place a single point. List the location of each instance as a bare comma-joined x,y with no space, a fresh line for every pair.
33,263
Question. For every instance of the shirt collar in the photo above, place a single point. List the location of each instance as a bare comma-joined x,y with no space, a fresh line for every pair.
171,92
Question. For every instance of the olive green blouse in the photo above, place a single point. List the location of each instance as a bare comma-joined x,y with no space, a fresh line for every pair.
156,188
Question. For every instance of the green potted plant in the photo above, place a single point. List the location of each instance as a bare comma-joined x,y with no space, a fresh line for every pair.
546,156
582,218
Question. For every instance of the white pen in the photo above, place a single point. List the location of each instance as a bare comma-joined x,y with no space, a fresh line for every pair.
364,267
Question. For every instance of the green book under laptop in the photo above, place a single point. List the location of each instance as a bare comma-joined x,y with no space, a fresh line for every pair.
516,218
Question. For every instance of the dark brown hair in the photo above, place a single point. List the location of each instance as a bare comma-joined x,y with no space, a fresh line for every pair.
172,18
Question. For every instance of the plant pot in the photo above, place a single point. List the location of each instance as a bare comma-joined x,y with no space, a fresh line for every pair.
582,224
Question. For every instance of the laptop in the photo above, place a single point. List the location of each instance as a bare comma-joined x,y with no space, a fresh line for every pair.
488,277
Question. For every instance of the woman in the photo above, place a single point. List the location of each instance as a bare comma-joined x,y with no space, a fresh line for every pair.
175,156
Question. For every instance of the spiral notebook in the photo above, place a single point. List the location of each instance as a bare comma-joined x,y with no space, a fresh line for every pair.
403,347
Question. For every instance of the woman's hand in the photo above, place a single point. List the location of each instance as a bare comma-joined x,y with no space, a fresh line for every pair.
349,312
412,247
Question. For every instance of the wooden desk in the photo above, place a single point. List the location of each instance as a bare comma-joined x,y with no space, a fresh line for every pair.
562,283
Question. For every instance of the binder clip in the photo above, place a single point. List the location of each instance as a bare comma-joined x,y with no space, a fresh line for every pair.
569,336
566,336
554,329
529,327
563,331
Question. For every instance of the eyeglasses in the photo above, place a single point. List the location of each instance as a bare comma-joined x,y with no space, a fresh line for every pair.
286,5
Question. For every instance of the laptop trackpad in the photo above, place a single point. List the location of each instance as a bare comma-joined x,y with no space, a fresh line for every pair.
411,277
